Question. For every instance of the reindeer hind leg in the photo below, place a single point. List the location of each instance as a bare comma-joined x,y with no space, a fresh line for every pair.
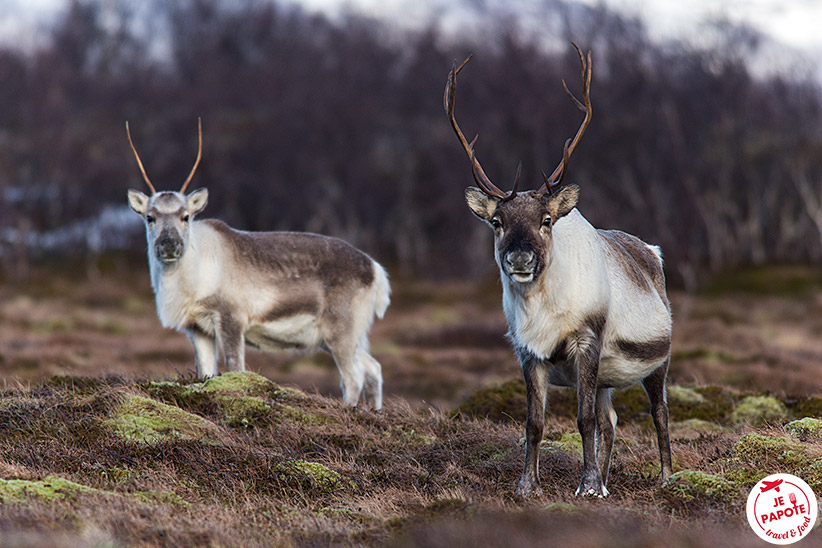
654,385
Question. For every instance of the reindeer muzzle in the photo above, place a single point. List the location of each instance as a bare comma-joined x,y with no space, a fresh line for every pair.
521,265
168,248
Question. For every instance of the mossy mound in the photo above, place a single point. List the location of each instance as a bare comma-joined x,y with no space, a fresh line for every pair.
807,406
500,402
759,411
756,456
506,402
569,442
143,420
236,398
688,489
48,489
245,382
564,508
308,475
244,410
807,429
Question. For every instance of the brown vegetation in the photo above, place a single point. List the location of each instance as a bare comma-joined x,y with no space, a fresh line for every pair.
122,447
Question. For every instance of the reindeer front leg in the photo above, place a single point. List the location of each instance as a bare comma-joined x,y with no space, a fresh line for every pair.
586,352
536,386
205,353
232,342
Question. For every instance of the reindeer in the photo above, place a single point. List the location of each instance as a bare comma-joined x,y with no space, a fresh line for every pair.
226,288
586,308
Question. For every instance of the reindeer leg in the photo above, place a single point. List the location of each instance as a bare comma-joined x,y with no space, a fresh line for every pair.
373,380
232,341
205,353
606,426
536,386
586,353
654,385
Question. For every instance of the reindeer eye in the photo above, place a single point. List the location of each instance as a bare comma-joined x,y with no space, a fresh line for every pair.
185,218
546,222
150,219
496,223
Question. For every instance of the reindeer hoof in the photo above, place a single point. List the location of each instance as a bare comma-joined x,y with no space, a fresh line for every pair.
600,492
529,490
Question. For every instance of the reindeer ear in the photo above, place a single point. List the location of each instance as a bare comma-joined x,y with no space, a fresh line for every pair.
138,202
563,202
481,204
197,200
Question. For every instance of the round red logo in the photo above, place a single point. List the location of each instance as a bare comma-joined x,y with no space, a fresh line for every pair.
782,509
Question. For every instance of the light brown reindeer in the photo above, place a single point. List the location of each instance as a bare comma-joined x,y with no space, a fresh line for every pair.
586,308
226,288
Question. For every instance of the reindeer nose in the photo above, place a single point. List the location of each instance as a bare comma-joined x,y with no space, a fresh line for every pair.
169,249
520,261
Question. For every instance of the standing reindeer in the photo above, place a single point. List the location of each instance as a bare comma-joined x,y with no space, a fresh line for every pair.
272,290
586,308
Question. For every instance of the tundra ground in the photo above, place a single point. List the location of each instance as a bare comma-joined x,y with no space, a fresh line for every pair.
107,440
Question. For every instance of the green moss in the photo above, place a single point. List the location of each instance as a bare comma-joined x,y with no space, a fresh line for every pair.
759,411
808,406
807,429
239,399
294,414
244,411
689,487
310,475
564,508
49,489
161,497
756,456
682,394
757,448
245,382
500,402
569,442
144,420
631,404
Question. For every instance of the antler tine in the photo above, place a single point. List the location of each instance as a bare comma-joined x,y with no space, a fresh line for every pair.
449,97
516,182
199,155
585,105
139,163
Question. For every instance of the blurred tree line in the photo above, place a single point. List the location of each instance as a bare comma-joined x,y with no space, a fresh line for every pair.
336,126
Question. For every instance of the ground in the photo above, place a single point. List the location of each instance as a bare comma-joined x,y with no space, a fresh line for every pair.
106,439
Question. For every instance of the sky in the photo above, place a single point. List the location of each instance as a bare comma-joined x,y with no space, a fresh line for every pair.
794,23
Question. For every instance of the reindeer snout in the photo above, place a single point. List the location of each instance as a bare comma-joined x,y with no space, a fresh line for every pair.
168,249
520,261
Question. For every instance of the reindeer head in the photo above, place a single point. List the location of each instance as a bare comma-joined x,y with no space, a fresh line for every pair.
523,222
168,214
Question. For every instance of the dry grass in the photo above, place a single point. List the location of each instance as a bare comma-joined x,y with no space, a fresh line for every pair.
295,468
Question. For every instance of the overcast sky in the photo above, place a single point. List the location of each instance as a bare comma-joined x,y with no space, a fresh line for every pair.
795,23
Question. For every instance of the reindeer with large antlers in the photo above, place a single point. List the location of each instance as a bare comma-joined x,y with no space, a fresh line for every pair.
586,308
227,288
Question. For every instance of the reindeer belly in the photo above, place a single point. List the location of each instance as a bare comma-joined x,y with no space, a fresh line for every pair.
629,363
295,332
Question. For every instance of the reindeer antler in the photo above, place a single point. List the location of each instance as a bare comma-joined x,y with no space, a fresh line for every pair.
555,180
199,155
139,163
193,169
482,180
